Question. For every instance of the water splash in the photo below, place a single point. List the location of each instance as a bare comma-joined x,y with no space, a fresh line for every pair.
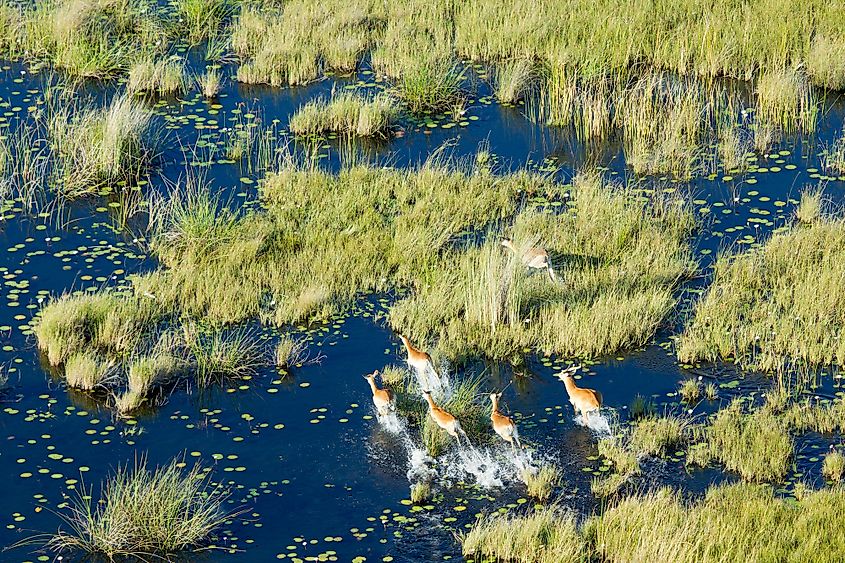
420,464
598,422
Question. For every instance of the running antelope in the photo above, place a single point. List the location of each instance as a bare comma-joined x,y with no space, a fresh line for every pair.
444,420
383,399
533,257
502,424
419,361
585,401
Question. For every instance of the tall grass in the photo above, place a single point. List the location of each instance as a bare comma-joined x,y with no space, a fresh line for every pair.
348,114
164,76
143,512
100,148
513,80
833,159
776,306
784,99
203,19
541,482
219,355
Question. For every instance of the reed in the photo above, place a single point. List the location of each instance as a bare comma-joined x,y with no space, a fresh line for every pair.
347,114
164,76
833,466
86,371
144,513
541,482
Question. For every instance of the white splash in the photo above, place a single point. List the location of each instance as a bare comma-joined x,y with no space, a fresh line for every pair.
597,422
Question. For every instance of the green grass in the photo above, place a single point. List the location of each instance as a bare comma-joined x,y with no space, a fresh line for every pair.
430,85
833,159
732,522
779,306
347,114
143,512
756,444
833,466
203,19
541,482
102,147
86,371
784,99
164,76
513,80
690,391
465,405
223,354
210,83
547,535
421,492
641,407
291,352
658,435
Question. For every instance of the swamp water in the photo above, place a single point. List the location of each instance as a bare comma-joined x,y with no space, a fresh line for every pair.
303,454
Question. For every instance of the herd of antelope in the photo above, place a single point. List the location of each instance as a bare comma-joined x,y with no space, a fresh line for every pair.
584,401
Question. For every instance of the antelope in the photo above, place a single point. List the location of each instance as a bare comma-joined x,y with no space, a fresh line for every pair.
444,420
585,401
383,399
533,257
502,424
419,360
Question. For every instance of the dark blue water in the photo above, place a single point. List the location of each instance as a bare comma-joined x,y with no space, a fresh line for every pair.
302,455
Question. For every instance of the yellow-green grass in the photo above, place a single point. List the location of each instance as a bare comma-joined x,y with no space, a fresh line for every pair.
143,513
541,482
210,83
513,80
85,371
658,435
85,38
690,391
785,100
421,492
833,158
833,466
291,351
776,306
348,114
546,535
223,354
733,522
203,19
325,239
163,76
464,404
101,147
755,444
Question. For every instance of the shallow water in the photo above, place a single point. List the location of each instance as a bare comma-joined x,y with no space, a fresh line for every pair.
305,455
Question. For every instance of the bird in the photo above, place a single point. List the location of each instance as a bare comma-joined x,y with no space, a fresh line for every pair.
383,399
533,257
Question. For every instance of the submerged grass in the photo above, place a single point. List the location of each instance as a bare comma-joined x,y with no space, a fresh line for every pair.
779,305
144,512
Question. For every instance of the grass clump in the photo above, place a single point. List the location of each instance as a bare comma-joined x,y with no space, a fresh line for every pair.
420,492
143,513
346,114
784,99
833,466
541,482
513,80
757,445
164,76
641,408
430,85
222,354
777,306
833,159
658,435
546,535
100,148
210,83
690,391
85,371
203,19
291,352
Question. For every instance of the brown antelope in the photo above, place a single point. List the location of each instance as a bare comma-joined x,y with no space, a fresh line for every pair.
585,401
533,257
502,424
383,399
443,419
419,361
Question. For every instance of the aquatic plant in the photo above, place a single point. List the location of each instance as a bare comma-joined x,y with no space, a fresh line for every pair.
420,492
85,371
778,306
210,83
222,354
784,99
711,391
833,466
99,148
143,512
163,76
430,85
757,444
291,351
641,407
202,19
512,80
690,391
346,113
541,481
545,535
833,159
658,435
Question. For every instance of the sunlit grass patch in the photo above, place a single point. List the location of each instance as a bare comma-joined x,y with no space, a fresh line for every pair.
465,405
785,99
222,354
547,535
210,83
99,148
430,85
202,19
513,80
163,76
833,466
779,305
85,371
144,512
420,492
541,482
756,444
348,114
739,522
658,435
690,391
833,158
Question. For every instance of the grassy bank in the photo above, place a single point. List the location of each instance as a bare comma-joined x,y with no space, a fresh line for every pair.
738,522
777,306
325,239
